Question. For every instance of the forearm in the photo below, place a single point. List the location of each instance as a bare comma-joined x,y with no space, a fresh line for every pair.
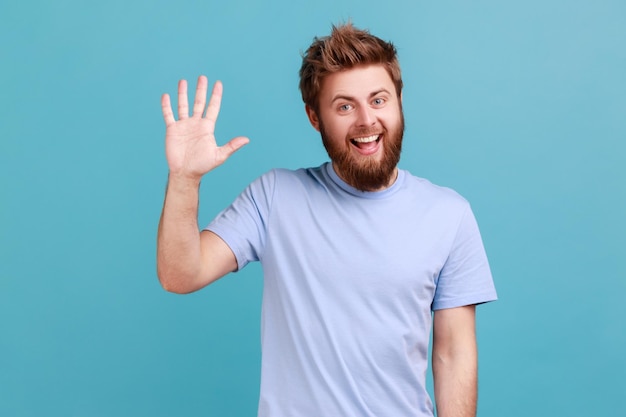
178,241
454,360
455,382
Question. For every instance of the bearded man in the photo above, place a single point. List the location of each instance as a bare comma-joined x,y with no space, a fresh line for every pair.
360,259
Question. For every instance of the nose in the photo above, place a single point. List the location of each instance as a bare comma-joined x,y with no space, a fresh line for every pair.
365,116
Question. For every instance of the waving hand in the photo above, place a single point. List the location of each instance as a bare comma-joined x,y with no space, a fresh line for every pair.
190,145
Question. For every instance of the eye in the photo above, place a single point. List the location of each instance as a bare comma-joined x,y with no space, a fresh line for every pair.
345,107
379,101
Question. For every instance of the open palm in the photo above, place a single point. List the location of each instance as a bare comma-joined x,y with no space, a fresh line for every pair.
190,145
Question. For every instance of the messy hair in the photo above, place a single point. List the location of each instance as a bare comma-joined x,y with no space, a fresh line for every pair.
346,47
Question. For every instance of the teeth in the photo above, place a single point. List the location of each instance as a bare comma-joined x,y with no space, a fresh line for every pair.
366,139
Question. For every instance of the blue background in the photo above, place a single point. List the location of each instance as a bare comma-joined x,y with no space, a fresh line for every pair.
519,106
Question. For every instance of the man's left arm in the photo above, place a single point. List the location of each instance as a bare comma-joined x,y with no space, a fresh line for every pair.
455,361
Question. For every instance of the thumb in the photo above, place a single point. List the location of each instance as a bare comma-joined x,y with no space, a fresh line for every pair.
232,146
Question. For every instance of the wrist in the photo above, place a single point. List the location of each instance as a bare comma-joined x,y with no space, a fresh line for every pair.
183,181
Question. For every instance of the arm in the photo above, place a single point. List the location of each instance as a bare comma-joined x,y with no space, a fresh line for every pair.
188,260
454,361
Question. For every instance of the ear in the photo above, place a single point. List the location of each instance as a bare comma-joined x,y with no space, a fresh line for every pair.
313,119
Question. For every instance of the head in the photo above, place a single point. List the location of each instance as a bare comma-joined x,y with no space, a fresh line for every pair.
352,89
345,48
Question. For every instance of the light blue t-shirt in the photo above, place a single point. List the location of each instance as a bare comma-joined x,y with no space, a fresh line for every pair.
350,282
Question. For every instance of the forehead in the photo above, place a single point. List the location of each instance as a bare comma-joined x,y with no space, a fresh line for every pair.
356,82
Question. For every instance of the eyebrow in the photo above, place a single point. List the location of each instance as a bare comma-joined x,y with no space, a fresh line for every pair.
350,98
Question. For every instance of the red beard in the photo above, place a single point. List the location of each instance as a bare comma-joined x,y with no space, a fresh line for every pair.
366,173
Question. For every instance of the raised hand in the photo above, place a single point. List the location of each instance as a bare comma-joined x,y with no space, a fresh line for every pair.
190,145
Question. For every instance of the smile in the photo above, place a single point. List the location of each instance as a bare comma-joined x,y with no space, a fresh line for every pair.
367,139
366,145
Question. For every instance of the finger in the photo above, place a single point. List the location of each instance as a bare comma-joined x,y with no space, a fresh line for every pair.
215,102
200,99
183,105
166,107
231,147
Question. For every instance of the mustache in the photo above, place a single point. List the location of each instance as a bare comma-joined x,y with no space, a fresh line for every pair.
364,132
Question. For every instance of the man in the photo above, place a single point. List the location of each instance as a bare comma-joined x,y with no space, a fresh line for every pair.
360,258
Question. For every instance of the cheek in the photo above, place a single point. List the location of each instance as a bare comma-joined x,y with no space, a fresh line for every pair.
338,129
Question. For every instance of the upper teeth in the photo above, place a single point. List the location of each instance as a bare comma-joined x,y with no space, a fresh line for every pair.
366,139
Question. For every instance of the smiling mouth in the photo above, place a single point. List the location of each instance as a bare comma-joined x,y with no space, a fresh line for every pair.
366,142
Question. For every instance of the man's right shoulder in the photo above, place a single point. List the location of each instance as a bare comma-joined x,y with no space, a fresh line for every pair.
300,175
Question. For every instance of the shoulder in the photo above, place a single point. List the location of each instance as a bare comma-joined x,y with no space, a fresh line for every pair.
283,177
432,193
282,183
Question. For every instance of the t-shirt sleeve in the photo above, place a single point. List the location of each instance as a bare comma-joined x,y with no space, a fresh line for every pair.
465,278
242,225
